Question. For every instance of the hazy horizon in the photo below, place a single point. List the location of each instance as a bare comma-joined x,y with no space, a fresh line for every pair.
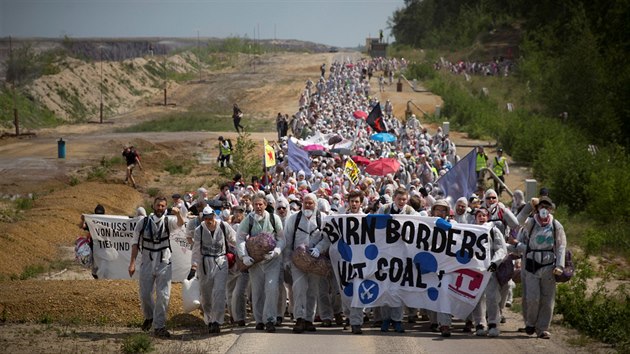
344,23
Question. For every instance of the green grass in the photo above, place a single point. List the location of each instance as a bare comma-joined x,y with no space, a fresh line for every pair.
30,114
178,167
198,121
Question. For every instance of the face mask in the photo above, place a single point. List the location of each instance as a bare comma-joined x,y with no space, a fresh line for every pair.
307,212
225,213
335,202
543,213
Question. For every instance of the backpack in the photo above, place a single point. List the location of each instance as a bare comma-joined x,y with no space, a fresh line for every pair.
229,143
569,267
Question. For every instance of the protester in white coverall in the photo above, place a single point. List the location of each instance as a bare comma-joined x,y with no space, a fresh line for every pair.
394,315
488,305
304,232
441,209
209,258
285,283
264,275
355,314
505,221
153,235
542,244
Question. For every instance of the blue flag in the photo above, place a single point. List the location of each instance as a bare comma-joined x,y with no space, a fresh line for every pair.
298,159
461,180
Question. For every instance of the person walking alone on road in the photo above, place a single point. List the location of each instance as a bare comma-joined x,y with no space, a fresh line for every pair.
131,156
152,237
237,114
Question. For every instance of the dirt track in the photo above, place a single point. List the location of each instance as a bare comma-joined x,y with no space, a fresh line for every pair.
44,233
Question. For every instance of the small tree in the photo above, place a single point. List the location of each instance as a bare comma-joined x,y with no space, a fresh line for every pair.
246,159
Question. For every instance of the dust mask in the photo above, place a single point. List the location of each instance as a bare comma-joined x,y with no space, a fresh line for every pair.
307,212
543,213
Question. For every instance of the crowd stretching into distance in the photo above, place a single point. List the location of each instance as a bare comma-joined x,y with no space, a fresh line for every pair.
289,204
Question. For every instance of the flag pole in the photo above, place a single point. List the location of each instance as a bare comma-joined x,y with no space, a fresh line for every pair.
265,179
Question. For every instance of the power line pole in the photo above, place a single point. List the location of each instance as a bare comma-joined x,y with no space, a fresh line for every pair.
198,57
101,87
16,118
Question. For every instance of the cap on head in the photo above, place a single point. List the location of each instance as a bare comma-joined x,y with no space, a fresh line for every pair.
441,202
207,212
176,196
546,200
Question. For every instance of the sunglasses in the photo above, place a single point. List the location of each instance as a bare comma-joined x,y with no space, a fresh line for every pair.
281,208
490,198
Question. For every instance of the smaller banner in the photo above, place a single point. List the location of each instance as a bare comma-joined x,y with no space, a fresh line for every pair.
352,171
112,237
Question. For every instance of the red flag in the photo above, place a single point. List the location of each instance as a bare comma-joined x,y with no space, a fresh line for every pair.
375,119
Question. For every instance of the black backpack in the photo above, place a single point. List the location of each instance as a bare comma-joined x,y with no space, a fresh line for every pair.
229,143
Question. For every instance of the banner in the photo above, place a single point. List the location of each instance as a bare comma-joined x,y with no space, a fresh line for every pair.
112,237
270,154
352,171
400,260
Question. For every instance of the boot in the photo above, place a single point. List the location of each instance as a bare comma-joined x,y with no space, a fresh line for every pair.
385,326
356,329
299,326
398,327
309,326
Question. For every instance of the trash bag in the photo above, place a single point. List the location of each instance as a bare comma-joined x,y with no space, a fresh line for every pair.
191,295
303,260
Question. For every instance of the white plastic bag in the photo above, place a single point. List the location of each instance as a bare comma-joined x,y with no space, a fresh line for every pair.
83,252
191,295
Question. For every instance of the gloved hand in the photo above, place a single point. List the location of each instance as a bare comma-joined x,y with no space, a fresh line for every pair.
191,274
273,253
443,224
314,252
493,267
248,261
557,271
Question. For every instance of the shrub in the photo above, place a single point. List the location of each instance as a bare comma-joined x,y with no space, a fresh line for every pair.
137,343
246,159
602,314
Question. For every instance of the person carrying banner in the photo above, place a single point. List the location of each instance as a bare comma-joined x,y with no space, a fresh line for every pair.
303,229
488,306
152,237
354,314
264,275
394,315
212,241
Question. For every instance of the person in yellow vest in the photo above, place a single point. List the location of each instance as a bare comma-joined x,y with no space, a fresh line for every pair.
225,151
481,162
500,168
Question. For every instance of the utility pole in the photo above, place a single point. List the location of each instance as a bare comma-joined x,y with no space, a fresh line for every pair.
164,67
198,57
101,106
16,119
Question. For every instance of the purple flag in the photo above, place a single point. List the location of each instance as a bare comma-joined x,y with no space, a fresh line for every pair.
461,180
298,159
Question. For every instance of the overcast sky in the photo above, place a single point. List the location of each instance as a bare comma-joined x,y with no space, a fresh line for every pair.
344,23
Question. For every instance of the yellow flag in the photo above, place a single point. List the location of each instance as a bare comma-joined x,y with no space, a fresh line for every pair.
352,171
270,155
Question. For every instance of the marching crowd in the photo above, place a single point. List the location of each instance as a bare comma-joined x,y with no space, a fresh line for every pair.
283,212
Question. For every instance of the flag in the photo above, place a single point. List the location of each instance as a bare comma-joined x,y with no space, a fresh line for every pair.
461,180
352,171
375,119
298,159
270,155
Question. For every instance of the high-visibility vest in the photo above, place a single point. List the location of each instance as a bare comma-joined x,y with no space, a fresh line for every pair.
225,150
481,162
499,166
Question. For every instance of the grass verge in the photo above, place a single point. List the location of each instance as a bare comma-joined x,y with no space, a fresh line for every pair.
198,121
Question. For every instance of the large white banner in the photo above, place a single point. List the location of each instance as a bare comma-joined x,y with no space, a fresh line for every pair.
112,236
402,259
